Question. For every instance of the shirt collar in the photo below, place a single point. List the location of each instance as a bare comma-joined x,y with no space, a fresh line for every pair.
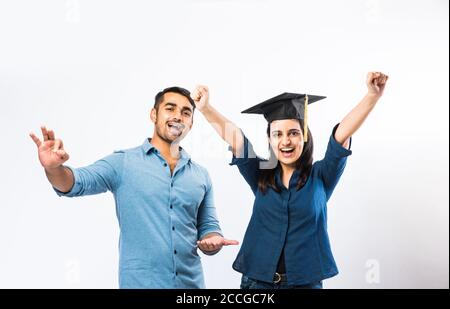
148,147
292,182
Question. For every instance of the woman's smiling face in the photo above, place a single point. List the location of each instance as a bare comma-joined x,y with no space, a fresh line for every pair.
286,140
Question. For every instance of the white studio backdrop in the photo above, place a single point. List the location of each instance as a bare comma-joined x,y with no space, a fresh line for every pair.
90,70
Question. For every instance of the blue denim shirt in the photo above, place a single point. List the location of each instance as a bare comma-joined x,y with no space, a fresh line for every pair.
295,220
161,216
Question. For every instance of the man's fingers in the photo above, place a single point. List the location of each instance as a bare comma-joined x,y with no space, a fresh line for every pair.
51,135
57,145
36,140
209,246
62,154
206,245
44,133
228,242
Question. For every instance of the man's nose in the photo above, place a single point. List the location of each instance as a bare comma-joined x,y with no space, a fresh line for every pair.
176,116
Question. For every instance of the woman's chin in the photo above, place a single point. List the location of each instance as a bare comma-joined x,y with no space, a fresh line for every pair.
287,161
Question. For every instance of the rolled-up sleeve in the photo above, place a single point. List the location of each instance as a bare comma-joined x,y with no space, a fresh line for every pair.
248,164
332,165
207,221
101,176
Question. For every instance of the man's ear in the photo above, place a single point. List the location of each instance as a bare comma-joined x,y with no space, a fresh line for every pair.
153,115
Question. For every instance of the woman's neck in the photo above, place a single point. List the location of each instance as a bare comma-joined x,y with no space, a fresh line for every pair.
286,173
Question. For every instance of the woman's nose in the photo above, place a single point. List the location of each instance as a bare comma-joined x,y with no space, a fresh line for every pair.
285,140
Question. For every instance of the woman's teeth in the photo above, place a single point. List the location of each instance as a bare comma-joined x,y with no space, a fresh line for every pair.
288,150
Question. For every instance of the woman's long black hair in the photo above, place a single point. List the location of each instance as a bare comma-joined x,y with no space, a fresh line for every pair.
266,177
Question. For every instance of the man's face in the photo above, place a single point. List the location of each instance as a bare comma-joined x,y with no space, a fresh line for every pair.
174,117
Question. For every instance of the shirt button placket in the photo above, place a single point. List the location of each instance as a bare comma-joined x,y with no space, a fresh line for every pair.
173,227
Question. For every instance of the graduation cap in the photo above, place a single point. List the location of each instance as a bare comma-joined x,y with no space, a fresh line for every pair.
286,106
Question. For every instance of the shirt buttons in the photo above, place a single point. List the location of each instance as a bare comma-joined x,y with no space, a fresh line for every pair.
173,228
171,206
165,164
174,251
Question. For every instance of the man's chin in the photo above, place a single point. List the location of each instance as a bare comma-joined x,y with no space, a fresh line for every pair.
170,138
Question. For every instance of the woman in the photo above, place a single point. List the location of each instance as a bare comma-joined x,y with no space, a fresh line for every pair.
286,244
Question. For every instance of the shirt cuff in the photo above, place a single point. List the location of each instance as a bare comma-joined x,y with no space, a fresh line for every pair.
248,154
337,149
209,231
76,188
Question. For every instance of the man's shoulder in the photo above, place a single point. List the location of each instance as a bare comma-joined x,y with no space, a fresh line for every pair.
132,150
198,166
200,170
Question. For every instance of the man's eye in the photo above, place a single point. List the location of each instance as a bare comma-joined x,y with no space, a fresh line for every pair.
187,114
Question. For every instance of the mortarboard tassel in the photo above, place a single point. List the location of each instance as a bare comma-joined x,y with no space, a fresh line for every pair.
305,126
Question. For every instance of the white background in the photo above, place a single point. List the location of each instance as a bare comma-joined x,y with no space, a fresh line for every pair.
90,70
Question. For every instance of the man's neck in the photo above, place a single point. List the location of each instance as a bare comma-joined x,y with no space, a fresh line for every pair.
170,152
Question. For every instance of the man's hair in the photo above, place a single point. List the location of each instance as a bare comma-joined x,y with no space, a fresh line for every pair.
184,92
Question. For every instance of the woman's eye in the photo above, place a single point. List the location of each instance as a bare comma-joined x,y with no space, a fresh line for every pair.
294,133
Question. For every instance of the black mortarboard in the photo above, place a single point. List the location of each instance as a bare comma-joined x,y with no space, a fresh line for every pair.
286,106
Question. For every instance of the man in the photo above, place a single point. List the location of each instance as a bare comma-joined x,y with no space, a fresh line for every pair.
164,200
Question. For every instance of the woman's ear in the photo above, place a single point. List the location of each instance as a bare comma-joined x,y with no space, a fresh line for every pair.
269,143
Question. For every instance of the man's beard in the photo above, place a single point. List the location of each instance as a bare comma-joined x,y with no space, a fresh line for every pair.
171,141
163,137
